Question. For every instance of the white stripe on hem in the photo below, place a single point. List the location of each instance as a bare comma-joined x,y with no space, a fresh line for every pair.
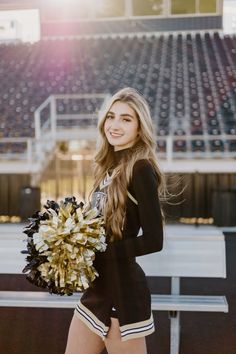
139,329
137,324
138,335
92,321
130,331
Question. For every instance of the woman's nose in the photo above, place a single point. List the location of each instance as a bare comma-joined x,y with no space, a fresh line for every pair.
115,124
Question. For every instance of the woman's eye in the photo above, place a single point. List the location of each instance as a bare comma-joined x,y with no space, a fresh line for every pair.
127,120
109,116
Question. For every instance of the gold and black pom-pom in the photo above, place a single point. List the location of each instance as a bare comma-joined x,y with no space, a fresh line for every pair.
61,246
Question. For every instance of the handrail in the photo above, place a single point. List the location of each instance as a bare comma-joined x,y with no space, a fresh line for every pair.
47,133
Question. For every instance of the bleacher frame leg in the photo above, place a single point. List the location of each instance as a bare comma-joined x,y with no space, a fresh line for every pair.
174,319
174,331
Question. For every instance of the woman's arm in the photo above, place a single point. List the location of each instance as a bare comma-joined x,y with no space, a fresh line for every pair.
144,185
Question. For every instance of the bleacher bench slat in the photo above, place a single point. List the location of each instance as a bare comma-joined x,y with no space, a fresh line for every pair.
159,302
37,299
189,303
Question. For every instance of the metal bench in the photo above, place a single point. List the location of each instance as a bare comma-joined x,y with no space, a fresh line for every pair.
187,252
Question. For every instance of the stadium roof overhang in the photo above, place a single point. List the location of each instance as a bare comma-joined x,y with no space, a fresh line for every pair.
21,4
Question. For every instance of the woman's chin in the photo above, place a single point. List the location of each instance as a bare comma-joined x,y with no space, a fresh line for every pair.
114,143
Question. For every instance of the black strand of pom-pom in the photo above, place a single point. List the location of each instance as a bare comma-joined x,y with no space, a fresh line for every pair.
51,204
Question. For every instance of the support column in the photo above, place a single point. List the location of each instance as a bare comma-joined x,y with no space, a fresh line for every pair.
174,319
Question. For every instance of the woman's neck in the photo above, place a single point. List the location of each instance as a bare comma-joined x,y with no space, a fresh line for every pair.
118,154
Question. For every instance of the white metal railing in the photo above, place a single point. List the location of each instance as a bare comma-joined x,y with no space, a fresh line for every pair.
26,150
48,131
34,149
172,152
54,117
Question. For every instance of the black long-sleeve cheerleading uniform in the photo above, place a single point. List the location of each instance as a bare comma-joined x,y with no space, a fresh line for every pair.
122,283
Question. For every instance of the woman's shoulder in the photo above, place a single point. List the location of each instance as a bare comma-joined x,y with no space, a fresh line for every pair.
143,164
143,168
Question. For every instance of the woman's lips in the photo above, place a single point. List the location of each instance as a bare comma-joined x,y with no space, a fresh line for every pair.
114,135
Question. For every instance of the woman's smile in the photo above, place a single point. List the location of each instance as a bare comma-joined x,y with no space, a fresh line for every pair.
115,135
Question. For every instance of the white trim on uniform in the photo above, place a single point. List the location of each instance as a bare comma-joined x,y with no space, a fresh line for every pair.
138,329
132,198
130,331
91,321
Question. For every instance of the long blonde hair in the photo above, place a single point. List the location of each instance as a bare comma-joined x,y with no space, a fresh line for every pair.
144,148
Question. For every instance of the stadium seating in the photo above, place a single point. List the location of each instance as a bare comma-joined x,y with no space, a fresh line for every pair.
189,81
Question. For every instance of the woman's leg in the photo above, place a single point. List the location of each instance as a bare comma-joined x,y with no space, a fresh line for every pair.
115,346
81,340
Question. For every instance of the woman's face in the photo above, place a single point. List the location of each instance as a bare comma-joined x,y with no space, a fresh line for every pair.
121,126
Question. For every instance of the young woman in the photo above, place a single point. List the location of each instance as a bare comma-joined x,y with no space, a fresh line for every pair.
115,311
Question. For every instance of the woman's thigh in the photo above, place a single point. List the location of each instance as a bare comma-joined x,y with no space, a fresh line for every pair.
114,345
81,340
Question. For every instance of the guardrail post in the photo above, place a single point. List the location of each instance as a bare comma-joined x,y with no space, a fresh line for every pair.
37,128
53,116
174,319
29,151
169,149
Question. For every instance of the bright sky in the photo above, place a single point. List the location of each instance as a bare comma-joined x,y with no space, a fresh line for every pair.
26,22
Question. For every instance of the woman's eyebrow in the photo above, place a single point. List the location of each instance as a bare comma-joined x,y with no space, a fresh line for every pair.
122,115
126,115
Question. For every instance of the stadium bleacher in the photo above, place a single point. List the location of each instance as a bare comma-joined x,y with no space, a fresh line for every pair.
188,79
